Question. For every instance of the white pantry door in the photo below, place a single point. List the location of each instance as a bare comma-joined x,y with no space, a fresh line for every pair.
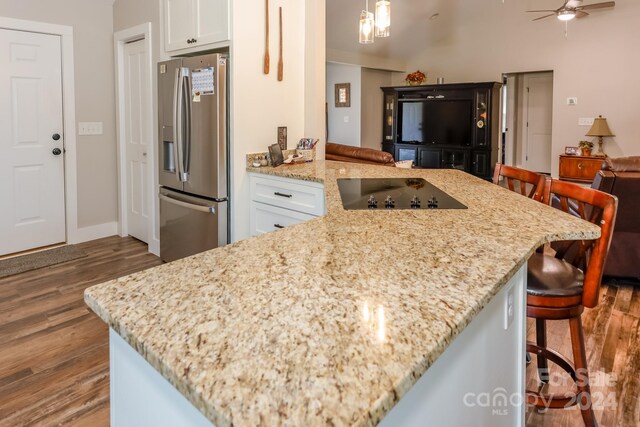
32,210
538,116
137,141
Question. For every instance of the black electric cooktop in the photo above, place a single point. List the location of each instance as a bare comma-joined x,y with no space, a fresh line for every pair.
394,193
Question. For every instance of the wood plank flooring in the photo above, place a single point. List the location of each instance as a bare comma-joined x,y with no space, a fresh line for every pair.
54,358
54,353
612,334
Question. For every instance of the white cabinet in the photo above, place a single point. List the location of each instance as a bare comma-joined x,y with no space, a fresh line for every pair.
195,23
279,202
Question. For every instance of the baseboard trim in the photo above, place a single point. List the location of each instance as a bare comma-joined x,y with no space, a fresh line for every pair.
94,232
154,247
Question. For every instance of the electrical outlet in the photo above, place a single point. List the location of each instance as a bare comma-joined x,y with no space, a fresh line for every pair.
585,121
90,128
572,101
346,119
509,308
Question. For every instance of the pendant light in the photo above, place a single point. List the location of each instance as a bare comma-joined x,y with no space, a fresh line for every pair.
383,18
367,25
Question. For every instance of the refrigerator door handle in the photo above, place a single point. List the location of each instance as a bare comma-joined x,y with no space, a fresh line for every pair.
180,128
186,125
199,208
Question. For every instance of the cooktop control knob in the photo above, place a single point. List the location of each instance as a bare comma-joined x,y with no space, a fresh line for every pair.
372,203
415,203
432,203
389,203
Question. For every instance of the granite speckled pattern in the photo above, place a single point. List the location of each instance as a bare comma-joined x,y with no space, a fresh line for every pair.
329,322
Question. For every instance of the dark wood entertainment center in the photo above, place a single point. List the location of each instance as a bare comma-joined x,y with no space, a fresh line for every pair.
457,128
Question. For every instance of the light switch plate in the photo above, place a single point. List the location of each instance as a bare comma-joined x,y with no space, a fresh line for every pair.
90,128
572,101
346,119
585,121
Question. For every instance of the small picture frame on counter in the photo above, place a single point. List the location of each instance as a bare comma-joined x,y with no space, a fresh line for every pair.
275,153
571,151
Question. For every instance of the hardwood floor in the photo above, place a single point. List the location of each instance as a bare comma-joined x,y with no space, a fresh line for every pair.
612,333
54,354
54,358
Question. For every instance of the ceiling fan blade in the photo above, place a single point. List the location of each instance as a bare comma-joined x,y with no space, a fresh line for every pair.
546,10
597,5
581,14
542,17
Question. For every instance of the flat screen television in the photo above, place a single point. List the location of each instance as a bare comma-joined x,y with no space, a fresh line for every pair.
443,122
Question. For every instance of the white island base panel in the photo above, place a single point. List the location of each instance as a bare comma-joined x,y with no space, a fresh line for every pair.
478,380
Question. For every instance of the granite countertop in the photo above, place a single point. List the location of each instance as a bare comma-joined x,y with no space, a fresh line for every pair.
333,320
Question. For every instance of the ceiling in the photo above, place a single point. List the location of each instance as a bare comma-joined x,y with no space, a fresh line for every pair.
413,26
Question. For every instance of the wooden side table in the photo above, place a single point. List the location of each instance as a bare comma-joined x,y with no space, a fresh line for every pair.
579,168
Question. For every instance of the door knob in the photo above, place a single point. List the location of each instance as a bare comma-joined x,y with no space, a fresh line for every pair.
55,136
56,151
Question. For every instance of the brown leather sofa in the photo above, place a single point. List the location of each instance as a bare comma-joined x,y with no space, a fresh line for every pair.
346,153
621,177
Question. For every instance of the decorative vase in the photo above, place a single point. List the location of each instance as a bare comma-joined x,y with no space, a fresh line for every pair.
586,152
415,83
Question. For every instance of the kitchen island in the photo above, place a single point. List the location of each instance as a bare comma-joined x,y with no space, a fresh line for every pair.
337,320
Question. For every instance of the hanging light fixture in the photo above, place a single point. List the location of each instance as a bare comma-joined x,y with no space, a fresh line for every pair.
383,18
367,25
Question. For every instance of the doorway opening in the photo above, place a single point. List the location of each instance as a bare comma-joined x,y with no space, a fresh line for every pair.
527,121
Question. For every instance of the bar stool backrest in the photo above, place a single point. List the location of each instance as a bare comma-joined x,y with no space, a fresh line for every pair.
588,255
527,183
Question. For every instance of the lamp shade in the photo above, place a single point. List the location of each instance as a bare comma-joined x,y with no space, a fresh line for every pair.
600,128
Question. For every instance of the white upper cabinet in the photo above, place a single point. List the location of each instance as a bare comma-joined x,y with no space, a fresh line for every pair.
195,23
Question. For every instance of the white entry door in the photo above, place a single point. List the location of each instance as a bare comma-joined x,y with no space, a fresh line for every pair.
538,116
137,141
32,210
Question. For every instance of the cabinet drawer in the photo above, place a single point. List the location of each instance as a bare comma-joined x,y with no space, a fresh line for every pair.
288,194
579,168
267,218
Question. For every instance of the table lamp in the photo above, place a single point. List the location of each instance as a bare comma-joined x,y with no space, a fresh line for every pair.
600,128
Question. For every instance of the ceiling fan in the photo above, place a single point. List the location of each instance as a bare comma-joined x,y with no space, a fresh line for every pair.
573,9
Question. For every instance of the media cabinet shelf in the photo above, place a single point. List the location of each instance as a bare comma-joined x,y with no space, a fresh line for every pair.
468,111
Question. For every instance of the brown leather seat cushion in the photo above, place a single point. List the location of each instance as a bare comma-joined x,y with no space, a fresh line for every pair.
348,153
549,276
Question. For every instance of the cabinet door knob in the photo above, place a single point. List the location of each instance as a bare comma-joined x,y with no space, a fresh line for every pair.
580,165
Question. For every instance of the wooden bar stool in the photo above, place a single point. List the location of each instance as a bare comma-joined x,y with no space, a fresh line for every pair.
527,183
560,286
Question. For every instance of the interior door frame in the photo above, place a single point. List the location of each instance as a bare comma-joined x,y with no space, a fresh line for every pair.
68,114
120,38
524,131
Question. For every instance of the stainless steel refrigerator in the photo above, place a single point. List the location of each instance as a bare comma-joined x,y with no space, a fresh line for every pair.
193,155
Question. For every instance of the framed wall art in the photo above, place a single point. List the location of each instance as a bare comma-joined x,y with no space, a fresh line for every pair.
343,95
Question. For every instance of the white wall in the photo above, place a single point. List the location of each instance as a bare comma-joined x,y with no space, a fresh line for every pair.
259,102
344,122
494,38
95,96
372,107
315,122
